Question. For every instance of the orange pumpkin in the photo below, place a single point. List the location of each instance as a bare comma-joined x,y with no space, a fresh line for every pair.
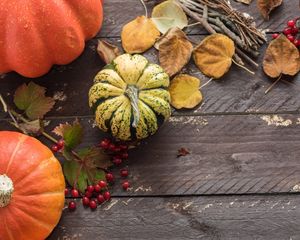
34,35
31,188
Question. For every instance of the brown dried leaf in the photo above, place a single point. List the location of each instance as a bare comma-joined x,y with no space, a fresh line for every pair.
175,51
183,152
266,6
139,35
213,56
107,51
281,57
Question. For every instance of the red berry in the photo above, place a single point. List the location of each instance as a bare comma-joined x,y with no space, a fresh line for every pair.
85,201
124,172
75,193
93,204
97,188
295,31
88,194
72,205
287,31
100,199
106,195
90,188
291,38
104,144
275,35
117,149
124,155
291,23
297,42
102,184
109,177
112,147
126,185
123,147
61,144
66,191
55,148
117,161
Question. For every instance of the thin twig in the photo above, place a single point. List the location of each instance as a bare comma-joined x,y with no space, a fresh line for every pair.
273,84
145,7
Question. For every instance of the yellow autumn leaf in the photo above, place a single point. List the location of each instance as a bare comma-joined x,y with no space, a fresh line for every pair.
184,91
139,35
213,56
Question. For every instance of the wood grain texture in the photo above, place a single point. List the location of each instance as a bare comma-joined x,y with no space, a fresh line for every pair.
230,154
209,218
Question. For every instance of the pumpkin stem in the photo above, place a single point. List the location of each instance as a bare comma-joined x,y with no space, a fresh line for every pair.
133,95
6,190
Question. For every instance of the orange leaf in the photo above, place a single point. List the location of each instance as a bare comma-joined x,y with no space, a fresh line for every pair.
139,35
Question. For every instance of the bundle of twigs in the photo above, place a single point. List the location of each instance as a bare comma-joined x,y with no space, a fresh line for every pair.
218,16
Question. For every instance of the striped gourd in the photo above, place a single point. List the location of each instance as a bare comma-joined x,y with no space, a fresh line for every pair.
130,97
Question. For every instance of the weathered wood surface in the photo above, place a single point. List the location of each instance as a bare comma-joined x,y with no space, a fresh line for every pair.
240,151
230,154
207,218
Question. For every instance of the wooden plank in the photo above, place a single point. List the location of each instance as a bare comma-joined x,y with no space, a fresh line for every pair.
209,218
236,92
119,12
230,154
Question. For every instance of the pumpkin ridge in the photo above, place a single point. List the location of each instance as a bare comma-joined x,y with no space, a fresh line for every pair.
160,118
8,229
40,194
37,223
33,170
20,142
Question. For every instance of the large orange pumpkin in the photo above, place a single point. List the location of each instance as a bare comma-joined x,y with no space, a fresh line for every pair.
31,188
34,35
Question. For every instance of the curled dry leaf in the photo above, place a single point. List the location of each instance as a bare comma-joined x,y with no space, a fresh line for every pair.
266,6
107,51
185,93
167,15
281,57
244,1
175,51
213,56
139,35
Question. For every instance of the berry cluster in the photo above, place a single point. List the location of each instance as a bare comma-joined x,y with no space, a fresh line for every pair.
58,146
94,195
119,153
291,32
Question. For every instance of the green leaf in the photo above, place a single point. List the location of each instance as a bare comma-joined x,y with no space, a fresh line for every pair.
31,99
167,15
71,133
89,170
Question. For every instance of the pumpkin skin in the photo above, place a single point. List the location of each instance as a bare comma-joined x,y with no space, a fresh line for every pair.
35,35
37,200
130,97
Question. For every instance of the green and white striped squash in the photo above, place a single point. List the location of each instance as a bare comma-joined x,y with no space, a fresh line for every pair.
130,97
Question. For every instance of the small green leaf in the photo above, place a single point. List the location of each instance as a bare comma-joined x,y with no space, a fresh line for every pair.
71,168
71,133
31,99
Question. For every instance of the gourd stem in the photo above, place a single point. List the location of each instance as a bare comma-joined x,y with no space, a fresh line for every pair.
6,190
132,93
